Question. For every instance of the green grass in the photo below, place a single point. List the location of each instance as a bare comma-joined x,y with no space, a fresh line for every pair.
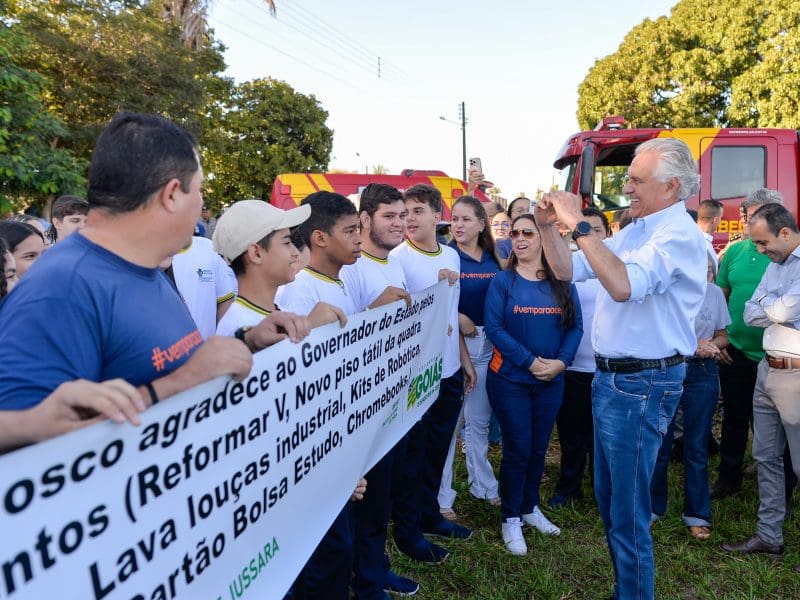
576,565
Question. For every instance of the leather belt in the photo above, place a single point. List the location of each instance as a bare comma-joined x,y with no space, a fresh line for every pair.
633,365
783,363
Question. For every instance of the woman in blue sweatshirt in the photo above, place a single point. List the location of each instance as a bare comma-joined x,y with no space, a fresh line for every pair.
534,322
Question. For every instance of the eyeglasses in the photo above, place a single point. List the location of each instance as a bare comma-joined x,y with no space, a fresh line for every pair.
526,233
501,225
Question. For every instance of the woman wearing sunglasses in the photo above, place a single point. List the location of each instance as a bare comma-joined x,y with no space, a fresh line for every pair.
534,322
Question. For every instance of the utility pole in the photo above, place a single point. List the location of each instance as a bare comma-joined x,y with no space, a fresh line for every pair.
463,114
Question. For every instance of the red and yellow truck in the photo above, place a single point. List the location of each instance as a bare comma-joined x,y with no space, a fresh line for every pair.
289,189
732,163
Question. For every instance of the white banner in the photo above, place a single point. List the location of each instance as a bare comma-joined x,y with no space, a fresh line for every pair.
226,489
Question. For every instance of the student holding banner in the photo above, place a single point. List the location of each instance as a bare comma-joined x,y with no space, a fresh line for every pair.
376,279
415,505
332,234
255,239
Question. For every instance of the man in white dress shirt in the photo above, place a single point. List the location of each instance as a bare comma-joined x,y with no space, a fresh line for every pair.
653,274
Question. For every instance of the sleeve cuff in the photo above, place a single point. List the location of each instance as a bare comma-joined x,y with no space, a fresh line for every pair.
638,282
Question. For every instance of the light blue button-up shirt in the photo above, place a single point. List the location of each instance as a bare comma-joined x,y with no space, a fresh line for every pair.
666,260
776,305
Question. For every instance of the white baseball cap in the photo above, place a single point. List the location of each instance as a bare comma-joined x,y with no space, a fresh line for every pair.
248,221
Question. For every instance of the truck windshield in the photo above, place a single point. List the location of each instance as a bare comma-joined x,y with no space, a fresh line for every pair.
608,183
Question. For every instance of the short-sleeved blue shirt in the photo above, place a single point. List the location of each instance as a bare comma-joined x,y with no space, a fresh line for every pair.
84,312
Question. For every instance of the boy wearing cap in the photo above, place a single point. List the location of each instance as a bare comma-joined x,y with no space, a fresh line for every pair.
255,239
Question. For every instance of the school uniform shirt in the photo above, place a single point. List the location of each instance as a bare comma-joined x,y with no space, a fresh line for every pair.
310,287
523,321
422,271
241,313
369,276
204,281
476,275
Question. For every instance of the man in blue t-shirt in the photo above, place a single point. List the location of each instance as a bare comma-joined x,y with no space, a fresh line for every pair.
97,306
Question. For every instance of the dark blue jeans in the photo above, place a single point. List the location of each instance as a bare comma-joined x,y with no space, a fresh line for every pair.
326,575
699,399
575,432
418,472
371,520
631,414
526,413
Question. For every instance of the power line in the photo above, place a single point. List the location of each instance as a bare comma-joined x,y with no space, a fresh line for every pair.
368,67
309,17
286,54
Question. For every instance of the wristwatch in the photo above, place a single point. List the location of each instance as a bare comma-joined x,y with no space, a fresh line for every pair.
582,228
239,333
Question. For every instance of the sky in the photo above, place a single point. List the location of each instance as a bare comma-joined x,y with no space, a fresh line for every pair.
516,64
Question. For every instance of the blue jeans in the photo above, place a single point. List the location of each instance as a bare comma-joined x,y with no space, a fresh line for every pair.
700,394
418,472
631,414
526,413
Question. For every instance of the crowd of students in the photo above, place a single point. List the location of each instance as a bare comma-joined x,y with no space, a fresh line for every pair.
90,320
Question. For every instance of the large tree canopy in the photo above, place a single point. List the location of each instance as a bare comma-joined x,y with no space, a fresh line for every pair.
30,166
265,129
733,63
67,66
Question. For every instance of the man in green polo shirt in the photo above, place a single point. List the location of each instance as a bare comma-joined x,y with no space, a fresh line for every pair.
740,271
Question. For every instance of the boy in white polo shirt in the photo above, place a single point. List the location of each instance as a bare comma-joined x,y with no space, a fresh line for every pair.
255,238
373,280
333,236
415,489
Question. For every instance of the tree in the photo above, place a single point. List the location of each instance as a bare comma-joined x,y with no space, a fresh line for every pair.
191,16
98,57
379,170
29,166
731,63
266,128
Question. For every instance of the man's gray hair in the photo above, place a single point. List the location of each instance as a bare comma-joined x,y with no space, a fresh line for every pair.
675,160
762,196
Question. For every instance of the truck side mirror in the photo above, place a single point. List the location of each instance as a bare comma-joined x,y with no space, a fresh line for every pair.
586,187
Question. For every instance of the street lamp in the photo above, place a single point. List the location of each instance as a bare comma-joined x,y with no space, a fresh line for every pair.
462,114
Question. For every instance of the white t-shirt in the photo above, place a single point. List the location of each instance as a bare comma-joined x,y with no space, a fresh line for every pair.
242,313
309,287
369,276
584,358
422,271
204,281
713,314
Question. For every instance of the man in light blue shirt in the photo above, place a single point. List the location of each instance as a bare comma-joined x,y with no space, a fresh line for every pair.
653,275
775,305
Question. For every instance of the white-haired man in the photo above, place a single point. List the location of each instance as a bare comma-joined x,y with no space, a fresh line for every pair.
653,275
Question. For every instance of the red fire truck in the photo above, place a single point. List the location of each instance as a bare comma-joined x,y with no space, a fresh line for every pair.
290,189
732,163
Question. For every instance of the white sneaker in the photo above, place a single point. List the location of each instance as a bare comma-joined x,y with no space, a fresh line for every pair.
538,520
513,538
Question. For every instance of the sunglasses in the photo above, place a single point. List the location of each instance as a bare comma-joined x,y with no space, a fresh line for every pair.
501,225
526,233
